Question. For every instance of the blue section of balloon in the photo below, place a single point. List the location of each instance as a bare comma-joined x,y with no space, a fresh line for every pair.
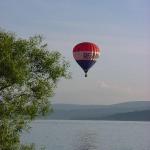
86,64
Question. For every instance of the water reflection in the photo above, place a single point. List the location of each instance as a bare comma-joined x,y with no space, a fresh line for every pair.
86,141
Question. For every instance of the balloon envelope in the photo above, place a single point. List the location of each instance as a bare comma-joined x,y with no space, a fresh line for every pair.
86,54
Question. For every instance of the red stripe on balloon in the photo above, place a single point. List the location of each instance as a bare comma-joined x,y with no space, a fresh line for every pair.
86,46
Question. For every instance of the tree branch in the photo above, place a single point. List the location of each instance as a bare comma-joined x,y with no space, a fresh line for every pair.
4,87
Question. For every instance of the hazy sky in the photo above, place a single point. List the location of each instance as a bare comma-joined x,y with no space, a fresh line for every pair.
121,28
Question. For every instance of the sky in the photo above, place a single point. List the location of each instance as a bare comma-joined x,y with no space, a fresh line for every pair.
119,27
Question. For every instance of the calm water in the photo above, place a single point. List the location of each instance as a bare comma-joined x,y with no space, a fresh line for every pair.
89,135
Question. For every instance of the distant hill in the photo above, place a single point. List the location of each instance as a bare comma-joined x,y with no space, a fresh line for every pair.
131,116
137,110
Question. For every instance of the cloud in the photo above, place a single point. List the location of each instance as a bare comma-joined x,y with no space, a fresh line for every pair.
115,87
124,91
103,84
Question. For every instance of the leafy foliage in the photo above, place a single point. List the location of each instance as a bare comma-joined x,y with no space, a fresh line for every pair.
29,73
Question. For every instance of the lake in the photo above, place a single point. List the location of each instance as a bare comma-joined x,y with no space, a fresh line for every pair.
89,135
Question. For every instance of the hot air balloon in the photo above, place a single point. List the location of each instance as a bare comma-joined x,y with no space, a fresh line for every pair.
85,54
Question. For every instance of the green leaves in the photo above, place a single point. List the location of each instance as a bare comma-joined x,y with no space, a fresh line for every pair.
29,73
13,60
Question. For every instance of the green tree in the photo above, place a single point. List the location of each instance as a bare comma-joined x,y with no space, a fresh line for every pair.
29,73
